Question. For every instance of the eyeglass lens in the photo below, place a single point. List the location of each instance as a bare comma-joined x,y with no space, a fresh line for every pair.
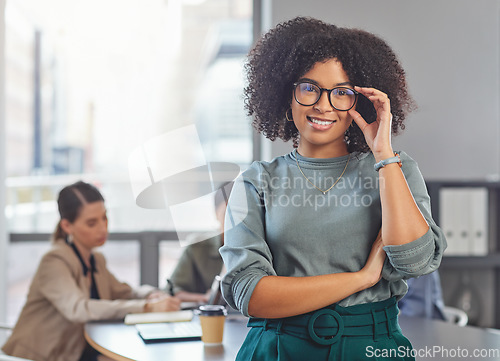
341,98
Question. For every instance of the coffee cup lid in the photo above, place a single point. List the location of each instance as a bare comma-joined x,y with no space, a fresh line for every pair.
211,310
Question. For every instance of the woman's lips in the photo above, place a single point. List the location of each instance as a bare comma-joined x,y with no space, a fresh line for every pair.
320,124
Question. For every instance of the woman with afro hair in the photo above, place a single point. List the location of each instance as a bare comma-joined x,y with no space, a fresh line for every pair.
319,242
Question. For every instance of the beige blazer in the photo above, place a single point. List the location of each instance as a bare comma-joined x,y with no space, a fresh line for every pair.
50,327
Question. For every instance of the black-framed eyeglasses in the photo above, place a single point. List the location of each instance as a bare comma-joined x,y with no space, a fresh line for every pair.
341,98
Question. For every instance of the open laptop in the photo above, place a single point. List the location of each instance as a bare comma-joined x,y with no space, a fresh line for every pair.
216,293
214,298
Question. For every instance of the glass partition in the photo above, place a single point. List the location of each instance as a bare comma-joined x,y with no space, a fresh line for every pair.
88,83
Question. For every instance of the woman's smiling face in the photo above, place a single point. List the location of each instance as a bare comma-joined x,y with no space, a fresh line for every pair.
321,126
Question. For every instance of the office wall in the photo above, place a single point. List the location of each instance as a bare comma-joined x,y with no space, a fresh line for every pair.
450,51
3,227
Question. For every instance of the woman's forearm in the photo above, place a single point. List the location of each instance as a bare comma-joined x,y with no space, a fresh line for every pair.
402,221
276,297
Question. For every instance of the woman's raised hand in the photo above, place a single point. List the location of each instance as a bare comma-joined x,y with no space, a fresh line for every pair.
378,133
372,271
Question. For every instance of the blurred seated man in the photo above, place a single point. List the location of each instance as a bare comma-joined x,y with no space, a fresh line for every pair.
424,297
200,262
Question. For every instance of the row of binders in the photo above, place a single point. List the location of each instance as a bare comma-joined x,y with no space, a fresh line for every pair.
463,214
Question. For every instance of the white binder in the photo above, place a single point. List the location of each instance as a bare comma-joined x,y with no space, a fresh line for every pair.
463,216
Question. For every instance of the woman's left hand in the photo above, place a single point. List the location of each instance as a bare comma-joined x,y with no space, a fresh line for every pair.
378,133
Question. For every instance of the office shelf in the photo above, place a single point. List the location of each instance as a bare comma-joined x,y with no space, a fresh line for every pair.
488,261
475,265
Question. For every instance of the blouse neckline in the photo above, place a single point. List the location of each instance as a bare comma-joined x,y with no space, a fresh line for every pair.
322,162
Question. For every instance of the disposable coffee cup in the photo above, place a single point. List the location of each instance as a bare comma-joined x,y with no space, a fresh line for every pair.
212,318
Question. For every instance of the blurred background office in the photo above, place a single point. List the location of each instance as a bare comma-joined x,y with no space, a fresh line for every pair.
83,84
88,82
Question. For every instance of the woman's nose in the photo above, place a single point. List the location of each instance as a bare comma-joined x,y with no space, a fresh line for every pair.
104,226
323,105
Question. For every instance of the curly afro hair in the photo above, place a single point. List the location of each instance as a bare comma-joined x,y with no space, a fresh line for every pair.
291,49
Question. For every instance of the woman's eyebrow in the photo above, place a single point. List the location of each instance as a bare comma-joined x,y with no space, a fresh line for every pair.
95,219
316,83
345,83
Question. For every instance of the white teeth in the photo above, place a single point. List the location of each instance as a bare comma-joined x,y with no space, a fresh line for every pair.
320,122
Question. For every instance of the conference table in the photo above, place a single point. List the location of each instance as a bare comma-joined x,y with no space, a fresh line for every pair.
431,339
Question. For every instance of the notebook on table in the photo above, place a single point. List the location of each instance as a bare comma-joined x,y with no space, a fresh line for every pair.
173,331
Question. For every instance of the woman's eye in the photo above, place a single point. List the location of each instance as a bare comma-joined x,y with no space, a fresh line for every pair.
310,88
343,92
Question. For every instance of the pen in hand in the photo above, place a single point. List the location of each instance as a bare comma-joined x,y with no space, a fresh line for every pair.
170,287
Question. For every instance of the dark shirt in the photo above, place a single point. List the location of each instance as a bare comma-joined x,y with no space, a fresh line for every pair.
94,293
199,264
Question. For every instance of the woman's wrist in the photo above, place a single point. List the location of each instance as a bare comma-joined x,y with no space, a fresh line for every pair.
388,153
367,279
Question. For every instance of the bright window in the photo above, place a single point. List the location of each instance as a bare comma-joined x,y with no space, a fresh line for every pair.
88,82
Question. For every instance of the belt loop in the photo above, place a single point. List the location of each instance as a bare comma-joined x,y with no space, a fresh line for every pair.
389,325
281,354
342,349
278,328
265,324
375,327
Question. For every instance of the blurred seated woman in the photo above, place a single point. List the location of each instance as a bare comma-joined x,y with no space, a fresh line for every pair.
73,285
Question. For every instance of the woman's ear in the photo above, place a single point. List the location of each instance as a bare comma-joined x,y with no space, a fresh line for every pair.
66,226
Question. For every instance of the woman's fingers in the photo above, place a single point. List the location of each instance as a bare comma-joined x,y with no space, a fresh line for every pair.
375,261
380,102
368,91
358,119
379,99
156,294
172,304
382,105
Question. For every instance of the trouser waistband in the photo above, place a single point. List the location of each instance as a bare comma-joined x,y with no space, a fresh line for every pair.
325,326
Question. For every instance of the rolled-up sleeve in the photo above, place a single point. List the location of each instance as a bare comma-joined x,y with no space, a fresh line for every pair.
245,252
423,255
